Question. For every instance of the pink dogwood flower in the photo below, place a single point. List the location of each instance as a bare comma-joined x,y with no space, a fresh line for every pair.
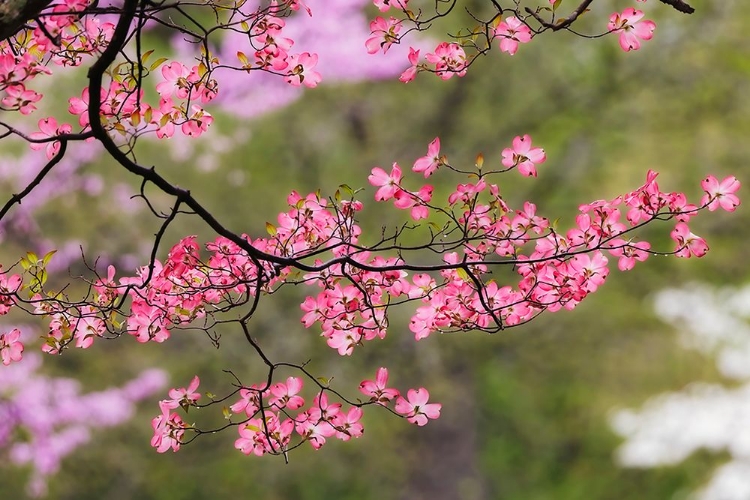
449,59
49,128
415,407
302,70
11,348
385,34
720,194
377,390
629,252
523,156
632,28
184,397
429,163
388,184
411,72
168,430
286,394
688,244
511,32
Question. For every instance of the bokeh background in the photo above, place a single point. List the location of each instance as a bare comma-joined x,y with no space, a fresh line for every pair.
527,414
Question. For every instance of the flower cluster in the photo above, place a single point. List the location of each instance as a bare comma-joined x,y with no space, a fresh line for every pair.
64,38
358,285
272,415
450,59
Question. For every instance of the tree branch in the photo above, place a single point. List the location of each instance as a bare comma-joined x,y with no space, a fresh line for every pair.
679,5
14,14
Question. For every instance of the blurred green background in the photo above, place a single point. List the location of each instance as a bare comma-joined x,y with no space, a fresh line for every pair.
524,412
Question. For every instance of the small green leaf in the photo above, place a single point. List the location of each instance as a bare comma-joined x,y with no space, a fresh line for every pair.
32,257
157,63
146,55
463,274
226,412
270,229
47,257
324,381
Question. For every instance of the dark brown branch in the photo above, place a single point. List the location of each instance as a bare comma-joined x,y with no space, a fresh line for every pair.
679,5
14,14
16,198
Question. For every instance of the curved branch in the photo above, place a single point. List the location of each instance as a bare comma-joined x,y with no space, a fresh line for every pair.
16,198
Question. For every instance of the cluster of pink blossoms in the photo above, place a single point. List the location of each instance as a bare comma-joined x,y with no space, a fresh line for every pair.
66,39
78,36
449,59
359,284
273,54
273,415
557,271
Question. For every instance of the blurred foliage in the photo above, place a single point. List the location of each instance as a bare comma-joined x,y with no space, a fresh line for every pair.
525,412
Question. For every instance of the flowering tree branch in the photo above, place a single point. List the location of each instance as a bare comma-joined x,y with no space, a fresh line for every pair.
443,260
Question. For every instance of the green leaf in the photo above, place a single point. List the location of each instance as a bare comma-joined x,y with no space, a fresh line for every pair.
157,63
146,55
556,5
463,274
270,229
47,257
32,258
